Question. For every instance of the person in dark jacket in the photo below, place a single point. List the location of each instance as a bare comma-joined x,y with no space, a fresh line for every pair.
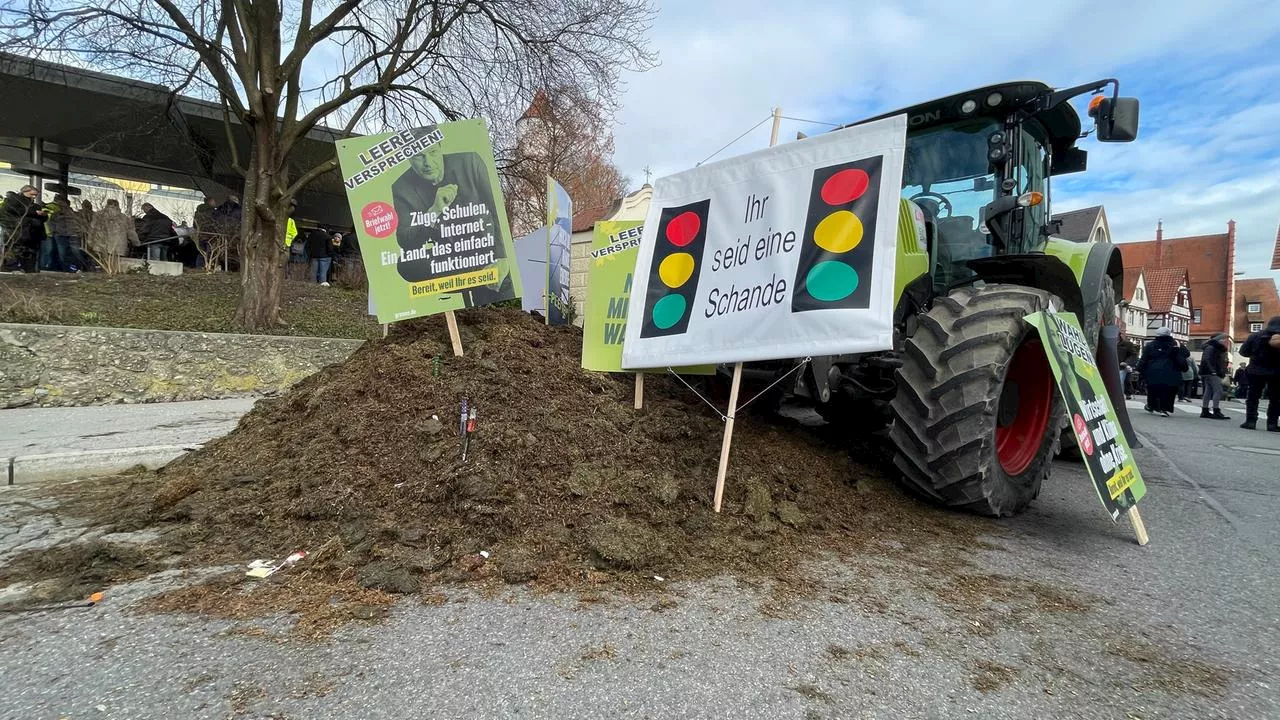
24,217
229,213
319,250
1213,370
60,236
1241,379
1162,364
1263,350
156,231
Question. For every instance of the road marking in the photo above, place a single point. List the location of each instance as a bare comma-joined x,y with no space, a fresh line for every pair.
1260,451
1256,543
1189,408
1208,500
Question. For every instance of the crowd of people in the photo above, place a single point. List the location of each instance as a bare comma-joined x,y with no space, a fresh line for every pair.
54,236
1166,371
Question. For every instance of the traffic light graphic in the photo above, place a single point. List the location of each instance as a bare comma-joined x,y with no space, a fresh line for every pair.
674,271
839,238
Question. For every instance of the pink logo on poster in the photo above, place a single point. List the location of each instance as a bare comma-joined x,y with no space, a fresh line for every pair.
1082,434
379,219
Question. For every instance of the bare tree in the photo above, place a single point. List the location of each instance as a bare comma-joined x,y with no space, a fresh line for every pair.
564,134
283,68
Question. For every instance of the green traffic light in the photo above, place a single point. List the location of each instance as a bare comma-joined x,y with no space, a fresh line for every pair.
830,281
668,311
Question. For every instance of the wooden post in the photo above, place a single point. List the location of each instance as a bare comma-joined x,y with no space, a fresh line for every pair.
385,328
639,390
728,434
737,373
454,337
1139,528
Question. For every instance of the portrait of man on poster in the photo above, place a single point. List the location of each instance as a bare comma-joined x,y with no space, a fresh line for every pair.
435,182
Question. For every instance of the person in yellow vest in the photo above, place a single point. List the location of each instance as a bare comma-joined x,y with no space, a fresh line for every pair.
290,232
290,227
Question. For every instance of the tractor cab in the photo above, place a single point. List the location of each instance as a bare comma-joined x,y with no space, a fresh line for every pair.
978,165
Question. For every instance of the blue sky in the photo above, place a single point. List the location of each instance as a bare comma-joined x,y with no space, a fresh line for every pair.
1208,76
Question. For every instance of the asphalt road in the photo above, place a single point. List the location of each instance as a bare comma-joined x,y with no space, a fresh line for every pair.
1063,616
38,431
47,444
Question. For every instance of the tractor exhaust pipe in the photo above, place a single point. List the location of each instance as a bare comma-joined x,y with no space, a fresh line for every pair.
1109,365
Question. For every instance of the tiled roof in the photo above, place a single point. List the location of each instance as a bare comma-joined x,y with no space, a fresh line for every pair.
1077,225
1206,259
1258,290
539,107
1131,276
1163,285
586,218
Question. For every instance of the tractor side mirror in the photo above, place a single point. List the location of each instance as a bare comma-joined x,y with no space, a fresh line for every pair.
1117,119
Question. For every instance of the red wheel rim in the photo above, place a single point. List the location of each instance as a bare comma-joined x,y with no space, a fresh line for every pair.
1029,377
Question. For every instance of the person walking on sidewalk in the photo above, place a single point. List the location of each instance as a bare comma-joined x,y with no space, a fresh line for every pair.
1187,390
1263,350
1162,364
1241,380
1213,370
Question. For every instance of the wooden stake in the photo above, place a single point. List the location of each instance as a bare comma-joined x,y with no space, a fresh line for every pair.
639,390
454,337
1139,528
385,328
728,434
737,373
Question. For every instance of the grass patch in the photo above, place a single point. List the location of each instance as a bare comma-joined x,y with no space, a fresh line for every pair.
194,302
21,306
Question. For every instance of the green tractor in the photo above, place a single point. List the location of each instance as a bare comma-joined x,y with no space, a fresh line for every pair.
967,392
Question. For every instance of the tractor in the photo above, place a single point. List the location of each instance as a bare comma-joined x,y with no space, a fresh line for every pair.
967,393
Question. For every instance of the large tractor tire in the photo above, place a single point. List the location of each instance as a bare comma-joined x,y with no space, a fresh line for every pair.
977,414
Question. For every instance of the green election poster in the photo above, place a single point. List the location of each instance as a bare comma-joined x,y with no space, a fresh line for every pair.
609,276
610,270
1106,453
430,218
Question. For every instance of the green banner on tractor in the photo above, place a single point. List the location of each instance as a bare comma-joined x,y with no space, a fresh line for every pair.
610,275
1093,420
430,217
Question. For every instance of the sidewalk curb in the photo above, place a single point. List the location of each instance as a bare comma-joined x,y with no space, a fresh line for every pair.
70,465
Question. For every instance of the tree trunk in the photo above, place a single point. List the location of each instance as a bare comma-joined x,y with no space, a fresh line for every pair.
262,251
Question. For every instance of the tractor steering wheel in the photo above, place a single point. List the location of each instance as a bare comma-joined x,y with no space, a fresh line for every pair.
943,202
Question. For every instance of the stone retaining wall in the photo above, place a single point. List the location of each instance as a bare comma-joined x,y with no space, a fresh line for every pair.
58,365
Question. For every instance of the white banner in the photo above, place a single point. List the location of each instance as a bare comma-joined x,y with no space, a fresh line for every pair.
783,253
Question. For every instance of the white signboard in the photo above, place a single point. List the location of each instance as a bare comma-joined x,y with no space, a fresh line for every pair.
783,253
531,258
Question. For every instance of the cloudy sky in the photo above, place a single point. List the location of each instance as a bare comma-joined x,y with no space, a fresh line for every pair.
1208,76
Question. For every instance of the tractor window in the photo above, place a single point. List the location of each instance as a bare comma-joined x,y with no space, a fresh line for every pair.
1031,173
947,173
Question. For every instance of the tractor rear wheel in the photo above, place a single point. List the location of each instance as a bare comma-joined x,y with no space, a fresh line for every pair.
977,414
